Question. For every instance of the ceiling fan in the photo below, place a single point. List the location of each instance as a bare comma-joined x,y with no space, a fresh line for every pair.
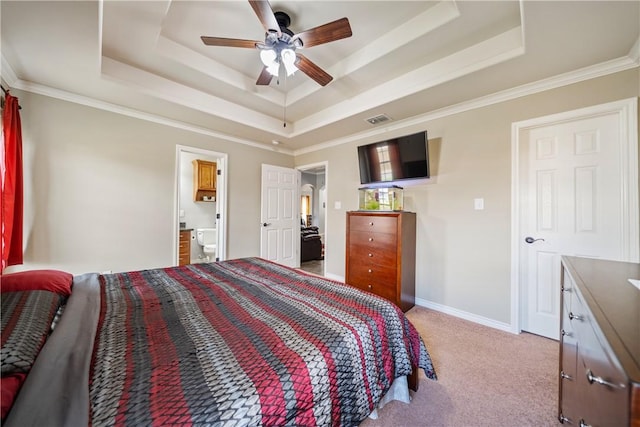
281,44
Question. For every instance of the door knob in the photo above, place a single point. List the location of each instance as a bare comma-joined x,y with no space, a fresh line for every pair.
531,240
266,224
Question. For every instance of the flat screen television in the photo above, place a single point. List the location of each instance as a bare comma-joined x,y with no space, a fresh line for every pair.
397,159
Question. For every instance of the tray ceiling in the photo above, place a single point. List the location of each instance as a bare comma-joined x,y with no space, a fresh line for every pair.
405,59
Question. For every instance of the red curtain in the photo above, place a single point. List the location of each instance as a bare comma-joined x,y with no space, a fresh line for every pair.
11,221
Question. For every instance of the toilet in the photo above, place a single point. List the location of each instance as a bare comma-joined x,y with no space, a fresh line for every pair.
207,238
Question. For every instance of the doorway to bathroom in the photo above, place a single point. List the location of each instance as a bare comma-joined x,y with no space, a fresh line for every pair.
313,224
200,205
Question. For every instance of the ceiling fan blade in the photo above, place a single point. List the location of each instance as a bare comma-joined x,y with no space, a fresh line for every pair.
266,15
326,33
221,41
312,70
264,78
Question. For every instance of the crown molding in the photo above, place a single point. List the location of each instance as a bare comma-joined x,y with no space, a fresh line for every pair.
39,89
8,75
587,73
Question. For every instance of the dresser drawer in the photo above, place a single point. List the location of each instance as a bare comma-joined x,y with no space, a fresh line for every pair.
569,391
568,289
380,286
366,254
371,273
377,223
369,239
603,388
569,344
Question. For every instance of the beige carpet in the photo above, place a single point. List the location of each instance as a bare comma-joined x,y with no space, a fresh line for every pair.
486,377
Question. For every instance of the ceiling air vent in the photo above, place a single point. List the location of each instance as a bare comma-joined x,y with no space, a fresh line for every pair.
378,119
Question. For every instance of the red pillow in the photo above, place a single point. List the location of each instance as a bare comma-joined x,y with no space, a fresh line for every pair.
37,280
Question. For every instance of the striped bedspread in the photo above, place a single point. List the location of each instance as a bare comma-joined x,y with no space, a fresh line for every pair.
244,342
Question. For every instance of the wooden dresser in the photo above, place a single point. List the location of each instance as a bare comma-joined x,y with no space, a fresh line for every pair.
381,254
599,343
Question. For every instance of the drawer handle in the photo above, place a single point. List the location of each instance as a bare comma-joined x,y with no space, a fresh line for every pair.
370,255
371,224
370,287
370,271
371,239
599,380
565,376
584,424
575,316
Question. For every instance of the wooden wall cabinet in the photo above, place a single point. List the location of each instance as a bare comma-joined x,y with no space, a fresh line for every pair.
184,248
381,254
204,180
599,370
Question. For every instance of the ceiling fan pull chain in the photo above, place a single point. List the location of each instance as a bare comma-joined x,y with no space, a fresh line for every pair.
284,115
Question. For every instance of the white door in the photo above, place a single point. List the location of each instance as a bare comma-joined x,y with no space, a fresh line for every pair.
280,217
573,204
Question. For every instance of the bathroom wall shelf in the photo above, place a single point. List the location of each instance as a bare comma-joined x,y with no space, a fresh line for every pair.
204,181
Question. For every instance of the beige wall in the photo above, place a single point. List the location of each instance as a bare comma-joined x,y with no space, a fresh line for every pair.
99,191
463,255
99,188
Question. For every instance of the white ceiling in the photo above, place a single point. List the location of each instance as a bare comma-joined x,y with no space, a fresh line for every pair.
406,59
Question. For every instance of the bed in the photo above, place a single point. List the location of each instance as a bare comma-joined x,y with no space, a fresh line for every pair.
231,343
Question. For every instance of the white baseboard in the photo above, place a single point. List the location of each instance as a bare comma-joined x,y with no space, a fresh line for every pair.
465,315
450,311
334,277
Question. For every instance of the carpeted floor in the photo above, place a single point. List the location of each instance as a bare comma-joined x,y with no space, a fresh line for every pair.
486,377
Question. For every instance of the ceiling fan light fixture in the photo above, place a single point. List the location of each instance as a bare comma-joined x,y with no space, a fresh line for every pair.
289,60
290,68
280,44
268,56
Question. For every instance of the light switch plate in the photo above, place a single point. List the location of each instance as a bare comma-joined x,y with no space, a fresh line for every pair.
478,204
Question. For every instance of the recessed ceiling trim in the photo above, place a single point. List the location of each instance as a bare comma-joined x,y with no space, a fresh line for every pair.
183,95
634,53
424,23
587,73
428,76
214,69
484,54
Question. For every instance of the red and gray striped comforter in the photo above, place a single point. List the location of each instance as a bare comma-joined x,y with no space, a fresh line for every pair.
244,342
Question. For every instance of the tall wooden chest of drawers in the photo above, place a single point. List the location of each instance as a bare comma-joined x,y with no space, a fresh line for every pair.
381,254
599,371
